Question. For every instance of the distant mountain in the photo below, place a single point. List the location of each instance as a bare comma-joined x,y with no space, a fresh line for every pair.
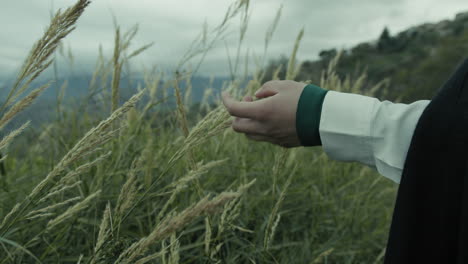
77,90
78,86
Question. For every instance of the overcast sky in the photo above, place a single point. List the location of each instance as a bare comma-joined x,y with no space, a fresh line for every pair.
173,24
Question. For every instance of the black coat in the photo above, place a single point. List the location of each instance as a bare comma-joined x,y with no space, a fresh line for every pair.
430,220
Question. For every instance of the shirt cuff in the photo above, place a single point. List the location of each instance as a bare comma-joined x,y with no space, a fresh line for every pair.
308,114
345,127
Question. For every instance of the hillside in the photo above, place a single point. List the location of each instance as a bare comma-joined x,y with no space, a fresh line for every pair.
416,61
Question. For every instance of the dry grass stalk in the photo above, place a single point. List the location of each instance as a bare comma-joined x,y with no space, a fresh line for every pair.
152,80
104,233
330,79
292,70
259,74
277,72
253,85
272,223
98,72
182,183
161,254
280,161
10,215
173,224
358,84
292,159
53,207
127,194
212,124
146,160
70,212
195,174
43,215
324,254
180,107
70,177
230,212
150,258
235,8
7,140
59,191
232,209
21,105
182,117
204,42
272,232
117,71
208,234
188,91
206,94
171,199
39,57
121,45
272,28
61,96
245,16
80,259
139,50
100,139
174,248
380,256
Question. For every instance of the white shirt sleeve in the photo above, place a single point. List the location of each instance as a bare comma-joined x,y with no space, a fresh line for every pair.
363,129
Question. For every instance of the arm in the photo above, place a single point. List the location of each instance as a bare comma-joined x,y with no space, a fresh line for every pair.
363,129
350,127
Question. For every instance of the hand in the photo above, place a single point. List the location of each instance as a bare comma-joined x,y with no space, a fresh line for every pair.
271,119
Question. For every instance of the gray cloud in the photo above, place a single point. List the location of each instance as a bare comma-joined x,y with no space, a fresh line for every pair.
172,25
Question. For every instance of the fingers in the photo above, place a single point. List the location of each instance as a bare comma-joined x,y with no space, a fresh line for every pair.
268,89
247,109
265,93
248,99
248,126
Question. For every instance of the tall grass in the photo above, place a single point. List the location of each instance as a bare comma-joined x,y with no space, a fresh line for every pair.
143,185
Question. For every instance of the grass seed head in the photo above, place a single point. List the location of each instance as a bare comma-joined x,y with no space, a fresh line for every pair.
71,211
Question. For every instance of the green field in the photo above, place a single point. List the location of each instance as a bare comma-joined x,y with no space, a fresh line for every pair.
129,182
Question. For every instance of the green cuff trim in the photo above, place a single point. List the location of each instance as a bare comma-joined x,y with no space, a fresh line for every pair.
308,114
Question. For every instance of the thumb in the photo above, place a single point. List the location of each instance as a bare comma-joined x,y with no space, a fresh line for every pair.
266,91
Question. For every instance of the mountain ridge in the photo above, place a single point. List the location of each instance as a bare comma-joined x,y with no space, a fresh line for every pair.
416,61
